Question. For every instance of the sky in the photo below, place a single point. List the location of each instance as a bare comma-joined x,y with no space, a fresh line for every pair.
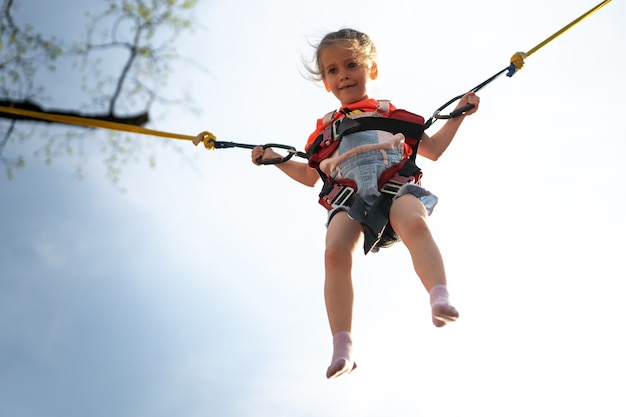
198,290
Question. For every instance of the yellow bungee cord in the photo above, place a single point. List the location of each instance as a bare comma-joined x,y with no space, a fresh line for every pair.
516,64
517,60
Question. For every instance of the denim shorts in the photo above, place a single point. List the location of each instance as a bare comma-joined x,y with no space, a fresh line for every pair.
364,169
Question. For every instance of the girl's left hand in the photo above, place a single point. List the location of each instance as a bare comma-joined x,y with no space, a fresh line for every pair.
470,98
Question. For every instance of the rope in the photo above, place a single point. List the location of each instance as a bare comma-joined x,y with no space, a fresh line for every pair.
566,27
517,60
516,64
88,122
209,139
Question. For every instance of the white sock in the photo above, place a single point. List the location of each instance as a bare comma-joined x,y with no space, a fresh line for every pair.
439,294
442,311
342,361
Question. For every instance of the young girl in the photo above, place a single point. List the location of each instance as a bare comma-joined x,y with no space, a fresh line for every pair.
345,62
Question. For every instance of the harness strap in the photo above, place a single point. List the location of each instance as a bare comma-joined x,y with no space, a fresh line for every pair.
378,232
382,106
338,193
409,129
375,222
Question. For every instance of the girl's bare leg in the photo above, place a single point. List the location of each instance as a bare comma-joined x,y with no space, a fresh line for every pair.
342,238
408,218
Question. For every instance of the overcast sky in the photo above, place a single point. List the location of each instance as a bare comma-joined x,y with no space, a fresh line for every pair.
198,291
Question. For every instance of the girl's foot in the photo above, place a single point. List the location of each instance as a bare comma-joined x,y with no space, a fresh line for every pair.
342,361
442,311
340,367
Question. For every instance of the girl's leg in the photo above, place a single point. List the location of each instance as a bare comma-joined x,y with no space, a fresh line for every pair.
342,238
408,218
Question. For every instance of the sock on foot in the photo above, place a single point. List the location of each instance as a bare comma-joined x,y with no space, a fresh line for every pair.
342,361
442,311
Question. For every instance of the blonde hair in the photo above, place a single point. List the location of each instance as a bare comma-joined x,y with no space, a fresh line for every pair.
362,47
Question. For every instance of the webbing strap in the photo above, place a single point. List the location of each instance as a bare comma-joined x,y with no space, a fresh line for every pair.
387,124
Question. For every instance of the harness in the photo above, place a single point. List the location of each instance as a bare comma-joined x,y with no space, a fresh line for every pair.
341,194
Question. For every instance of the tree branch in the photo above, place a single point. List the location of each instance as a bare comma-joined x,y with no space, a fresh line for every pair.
139,119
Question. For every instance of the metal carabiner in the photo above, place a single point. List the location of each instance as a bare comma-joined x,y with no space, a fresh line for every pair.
291,151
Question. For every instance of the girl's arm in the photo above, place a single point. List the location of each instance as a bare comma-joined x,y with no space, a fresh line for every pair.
300,171
432,147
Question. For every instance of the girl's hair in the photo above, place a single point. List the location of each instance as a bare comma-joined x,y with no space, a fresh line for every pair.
362,47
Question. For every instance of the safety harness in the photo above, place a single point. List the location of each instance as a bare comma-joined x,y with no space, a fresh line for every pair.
341,194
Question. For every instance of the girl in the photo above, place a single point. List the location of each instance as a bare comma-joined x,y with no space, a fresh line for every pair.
345,61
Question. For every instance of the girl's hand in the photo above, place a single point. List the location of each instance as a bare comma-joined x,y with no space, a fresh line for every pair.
469,98
259,153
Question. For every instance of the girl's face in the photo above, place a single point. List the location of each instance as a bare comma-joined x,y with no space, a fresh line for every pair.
344,75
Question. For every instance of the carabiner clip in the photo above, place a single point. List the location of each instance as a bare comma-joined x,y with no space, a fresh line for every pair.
291,151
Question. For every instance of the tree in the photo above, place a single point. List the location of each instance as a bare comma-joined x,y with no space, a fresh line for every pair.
123,61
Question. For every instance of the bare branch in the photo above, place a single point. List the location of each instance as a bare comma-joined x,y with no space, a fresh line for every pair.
136,120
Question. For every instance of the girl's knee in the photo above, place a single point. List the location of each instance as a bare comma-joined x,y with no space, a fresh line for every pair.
408,216
342,238
337,253
415,224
